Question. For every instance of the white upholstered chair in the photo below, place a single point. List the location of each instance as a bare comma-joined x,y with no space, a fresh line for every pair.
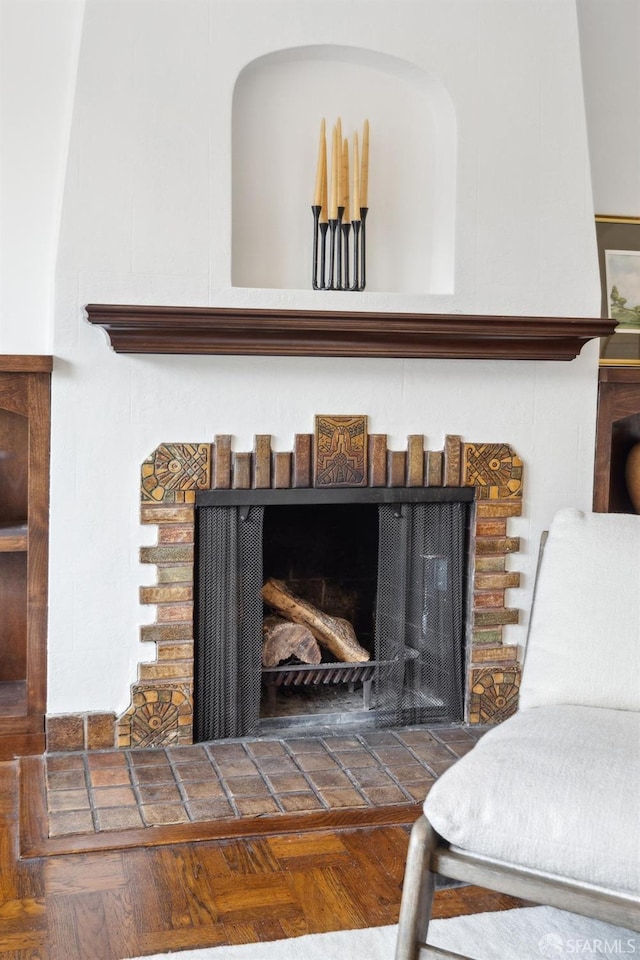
547,805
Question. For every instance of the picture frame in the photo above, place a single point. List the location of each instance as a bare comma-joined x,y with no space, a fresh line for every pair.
618,240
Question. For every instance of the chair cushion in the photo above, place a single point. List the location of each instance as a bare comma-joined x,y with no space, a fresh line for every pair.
552,788
584,639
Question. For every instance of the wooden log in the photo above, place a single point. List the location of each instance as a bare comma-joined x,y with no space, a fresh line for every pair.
334,633
284,639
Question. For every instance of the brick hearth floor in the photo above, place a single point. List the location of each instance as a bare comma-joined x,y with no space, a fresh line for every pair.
97,791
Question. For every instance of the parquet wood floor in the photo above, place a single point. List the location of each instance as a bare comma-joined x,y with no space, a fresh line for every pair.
114,904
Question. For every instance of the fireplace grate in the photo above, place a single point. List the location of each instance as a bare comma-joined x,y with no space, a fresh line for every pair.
303,675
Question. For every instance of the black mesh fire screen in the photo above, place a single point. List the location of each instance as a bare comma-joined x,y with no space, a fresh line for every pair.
227,661
420,615
418,623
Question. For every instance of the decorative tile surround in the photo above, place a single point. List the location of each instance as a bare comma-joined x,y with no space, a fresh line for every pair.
161,710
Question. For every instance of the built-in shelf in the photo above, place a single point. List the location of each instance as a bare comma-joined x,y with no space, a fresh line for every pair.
26,363
256,332
24,536
13,537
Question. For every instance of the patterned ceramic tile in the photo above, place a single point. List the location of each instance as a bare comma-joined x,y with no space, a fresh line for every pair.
176,467
340,451
494,693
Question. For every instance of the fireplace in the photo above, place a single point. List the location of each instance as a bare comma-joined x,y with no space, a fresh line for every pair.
162,702
390,562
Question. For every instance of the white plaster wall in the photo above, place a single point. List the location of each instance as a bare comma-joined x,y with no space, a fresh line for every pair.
609,35
147,219
39,44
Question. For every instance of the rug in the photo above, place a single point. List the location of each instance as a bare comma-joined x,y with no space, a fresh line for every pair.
530,933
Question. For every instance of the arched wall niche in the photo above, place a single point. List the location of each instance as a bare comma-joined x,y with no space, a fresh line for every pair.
278,103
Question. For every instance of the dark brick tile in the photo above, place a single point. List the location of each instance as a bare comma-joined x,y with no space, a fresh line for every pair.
158,813
288,783
153,758
413,737
293,802
271,765
330,778
407,771
372,777
236,768
65,733
247,787
213,809
256,806
439,767
64,762
393,755
380,796
195,753
110,777
316,761
67,780
114,797
68,822
119,818
432,751
340,744
68,800
162,774
101,732
267,748
342,797
304,745
195,770
377,738
227,751
110,758
205,790
355,758
159,792
449,734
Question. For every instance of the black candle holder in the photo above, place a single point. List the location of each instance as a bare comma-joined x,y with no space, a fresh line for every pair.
339,251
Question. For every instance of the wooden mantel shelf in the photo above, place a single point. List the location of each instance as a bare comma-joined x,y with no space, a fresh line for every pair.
323,333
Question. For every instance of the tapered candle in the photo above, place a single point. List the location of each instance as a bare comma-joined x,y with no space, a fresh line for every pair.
324,211
322,151
356,179
333,204
344,202
364,167
339,138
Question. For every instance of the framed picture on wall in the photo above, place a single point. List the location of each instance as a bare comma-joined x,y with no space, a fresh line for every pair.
619,261
622,270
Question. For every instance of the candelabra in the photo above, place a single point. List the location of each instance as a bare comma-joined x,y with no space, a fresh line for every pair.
339,240
339,251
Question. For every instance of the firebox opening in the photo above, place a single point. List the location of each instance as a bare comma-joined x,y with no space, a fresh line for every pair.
327,555
394,560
